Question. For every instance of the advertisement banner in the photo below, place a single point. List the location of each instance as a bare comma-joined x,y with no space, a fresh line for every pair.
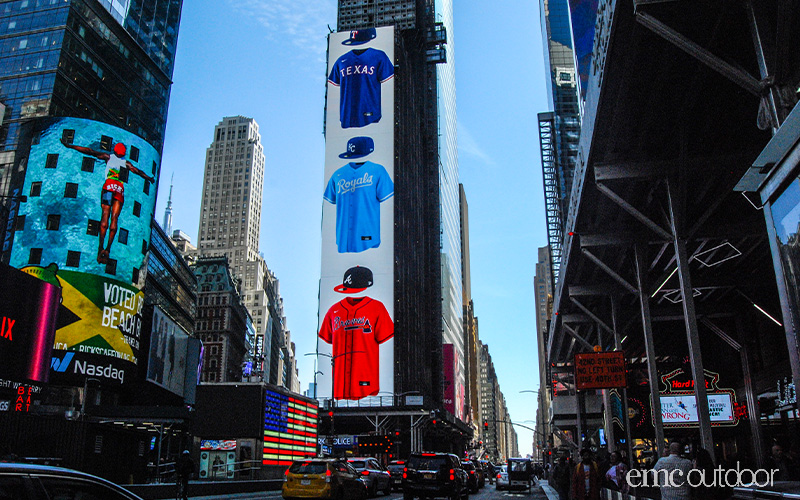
28,309
166,365
356,302
85,228
681,410
290,428
449,362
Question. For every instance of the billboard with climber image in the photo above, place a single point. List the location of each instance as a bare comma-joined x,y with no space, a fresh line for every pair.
83,225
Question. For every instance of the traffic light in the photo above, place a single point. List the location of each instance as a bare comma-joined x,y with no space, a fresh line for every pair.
486,426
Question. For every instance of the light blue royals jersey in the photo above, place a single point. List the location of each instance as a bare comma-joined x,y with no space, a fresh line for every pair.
357,190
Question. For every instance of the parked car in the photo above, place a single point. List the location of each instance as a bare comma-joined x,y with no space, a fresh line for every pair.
396,471
373,473
42,482
472,475
323,478
501,479
429,475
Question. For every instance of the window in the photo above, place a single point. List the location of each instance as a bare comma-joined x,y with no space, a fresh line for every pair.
35,256
36,188
123,236
20,223
73,258
87,165
111,267
51,161
144,247
93,227
146,188
71,190
137,208
134,156
53,222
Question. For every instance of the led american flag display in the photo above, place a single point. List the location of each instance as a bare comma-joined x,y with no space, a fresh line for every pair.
290,429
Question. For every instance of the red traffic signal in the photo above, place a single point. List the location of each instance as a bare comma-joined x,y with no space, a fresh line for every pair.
486,426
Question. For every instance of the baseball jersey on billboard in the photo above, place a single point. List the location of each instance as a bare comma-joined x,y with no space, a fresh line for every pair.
356,327
357,190
360,73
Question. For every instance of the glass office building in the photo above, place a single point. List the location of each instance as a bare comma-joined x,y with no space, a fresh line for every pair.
107,61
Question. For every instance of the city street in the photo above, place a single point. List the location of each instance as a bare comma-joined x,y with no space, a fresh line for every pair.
487,493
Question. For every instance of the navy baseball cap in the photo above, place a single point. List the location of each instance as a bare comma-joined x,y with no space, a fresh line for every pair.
358,147
356,279
360,37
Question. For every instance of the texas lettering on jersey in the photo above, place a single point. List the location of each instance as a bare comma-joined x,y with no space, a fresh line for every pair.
355,327
359,74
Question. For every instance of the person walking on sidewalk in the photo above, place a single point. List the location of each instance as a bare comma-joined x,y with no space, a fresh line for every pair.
185,471
675,467
586,478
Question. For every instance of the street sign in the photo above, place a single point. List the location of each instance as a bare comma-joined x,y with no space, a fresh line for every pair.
600,370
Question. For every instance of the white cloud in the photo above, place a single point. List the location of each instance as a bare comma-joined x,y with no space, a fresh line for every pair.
469,146
302,23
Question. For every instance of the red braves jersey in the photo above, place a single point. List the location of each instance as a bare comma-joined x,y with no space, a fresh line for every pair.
355,327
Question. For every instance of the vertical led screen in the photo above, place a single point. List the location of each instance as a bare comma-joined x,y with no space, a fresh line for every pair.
583,14
356,300
85,227
290,428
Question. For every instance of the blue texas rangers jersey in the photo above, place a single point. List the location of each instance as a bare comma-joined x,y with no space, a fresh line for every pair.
357,191
360,73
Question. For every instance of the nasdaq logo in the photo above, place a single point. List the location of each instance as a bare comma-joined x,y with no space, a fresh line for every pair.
61,365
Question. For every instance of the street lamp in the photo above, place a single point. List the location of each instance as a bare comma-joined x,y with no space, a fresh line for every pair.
333,358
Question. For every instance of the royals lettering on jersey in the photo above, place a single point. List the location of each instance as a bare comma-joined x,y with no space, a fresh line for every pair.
357,190
355,327
360,73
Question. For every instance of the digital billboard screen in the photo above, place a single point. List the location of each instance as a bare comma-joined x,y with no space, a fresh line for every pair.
290,428
85,228
356,302
166,364
28,308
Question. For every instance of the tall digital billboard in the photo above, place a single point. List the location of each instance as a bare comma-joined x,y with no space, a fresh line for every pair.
85,227
356,302
167,361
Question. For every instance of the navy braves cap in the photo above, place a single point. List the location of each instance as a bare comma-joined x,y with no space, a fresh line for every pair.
360,37
358,147
356,279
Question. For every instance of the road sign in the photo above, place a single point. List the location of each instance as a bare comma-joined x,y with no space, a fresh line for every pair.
600,370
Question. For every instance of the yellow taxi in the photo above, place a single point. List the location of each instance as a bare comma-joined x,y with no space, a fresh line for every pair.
323,478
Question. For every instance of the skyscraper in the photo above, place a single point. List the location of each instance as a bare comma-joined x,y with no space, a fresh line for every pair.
559,129
230,224
87,59
428,296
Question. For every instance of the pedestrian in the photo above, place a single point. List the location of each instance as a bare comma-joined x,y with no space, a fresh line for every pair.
586,478
561,478
676,471
616,474
781,462
185,471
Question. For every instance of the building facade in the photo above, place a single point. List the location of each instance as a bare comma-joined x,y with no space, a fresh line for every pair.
559,129
223,323
230,225
428,283
543,297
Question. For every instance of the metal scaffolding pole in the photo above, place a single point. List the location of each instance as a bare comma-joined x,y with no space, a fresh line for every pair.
626,422
692,333
647,327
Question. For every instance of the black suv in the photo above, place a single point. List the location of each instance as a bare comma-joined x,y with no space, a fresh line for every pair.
434,475
472,476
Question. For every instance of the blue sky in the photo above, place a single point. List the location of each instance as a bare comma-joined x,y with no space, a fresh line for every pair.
266,59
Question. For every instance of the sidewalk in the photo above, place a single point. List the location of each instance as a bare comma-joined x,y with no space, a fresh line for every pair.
265,494
551,493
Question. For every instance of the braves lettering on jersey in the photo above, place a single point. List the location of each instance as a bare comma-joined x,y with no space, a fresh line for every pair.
355,327
360,73
357,190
